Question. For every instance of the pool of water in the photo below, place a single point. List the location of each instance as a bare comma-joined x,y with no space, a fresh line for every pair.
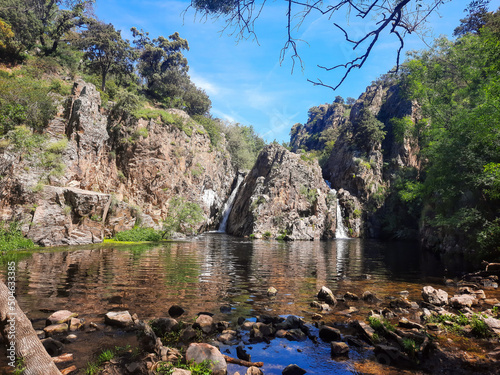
214,270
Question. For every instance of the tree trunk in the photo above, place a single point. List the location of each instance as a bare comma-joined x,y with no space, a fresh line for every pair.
21,337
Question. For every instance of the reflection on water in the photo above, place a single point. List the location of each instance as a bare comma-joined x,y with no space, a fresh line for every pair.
216,269
212,270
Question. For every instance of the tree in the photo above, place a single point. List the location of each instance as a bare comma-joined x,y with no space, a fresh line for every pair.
397,17
105,50
164,68
183,217
476,18
27,345
368,131
44,22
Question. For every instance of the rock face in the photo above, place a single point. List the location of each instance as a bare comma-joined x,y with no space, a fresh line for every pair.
110,174
359,168
283,195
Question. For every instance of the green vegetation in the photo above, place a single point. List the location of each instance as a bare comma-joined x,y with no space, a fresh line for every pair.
243,144
96,366
183,217
11,237
456,324
203,368
310,194
266,235
138,235
458,93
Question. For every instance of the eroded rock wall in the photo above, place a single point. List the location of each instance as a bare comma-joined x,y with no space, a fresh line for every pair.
283,195
132,167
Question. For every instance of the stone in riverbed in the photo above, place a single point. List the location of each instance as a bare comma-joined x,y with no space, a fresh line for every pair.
464,300
242,354
329,334
369,297
365,330
493,324
200,352
180,371
272,291
175,311
53,347
405,323
75,324
205,323
118,318
254,371
61,316
325,294
351,296
339,348
54,329
433,296
293,370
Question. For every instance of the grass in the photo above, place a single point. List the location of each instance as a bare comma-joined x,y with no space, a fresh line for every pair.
478,327
11,237
203,368
94,367
139,235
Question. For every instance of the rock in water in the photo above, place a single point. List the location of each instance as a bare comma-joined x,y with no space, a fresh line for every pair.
283,185
326,295
435,297
200,352
293,370
118,318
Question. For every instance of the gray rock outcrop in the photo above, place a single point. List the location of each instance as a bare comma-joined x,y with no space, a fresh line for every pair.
283,195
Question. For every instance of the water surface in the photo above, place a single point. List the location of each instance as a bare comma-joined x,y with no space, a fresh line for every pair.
214,270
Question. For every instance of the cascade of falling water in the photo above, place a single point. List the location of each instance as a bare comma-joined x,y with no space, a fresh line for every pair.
341,231
229,205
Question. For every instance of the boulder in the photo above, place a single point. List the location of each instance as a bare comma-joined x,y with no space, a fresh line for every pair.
493,324
53,347
272,291
61,316
242,354
180,371
75,324
118,318
205,323
175,311
365,330
228,337
293,370
325,294
339,348
54,329
329,334
464,300
199,352
369,297
254,371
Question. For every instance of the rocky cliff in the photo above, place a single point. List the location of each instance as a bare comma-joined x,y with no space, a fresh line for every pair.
93,176
285,196
363,152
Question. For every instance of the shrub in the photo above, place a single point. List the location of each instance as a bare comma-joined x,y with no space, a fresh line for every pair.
138,235
11,237
183,217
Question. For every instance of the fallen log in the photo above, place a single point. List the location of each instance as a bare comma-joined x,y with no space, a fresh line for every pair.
241,362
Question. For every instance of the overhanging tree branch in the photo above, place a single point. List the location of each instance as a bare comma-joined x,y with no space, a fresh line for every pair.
398,17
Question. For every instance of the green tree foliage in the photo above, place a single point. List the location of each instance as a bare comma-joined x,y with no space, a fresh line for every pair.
164,68
243,144
457,85
368,131
183,217
105,50
477,14
43,22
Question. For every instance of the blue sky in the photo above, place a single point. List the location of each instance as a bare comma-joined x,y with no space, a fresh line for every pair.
245,80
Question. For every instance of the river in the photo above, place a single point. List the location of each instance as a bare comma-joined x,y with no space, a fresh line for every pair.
215,269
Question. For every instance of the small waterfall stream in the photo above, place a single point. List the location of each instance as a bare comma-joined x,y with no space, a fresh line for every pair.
229,205
341,230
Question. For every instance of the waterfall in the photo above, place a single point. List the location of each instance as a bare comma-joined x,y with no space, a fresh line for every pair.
229,205
341,230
